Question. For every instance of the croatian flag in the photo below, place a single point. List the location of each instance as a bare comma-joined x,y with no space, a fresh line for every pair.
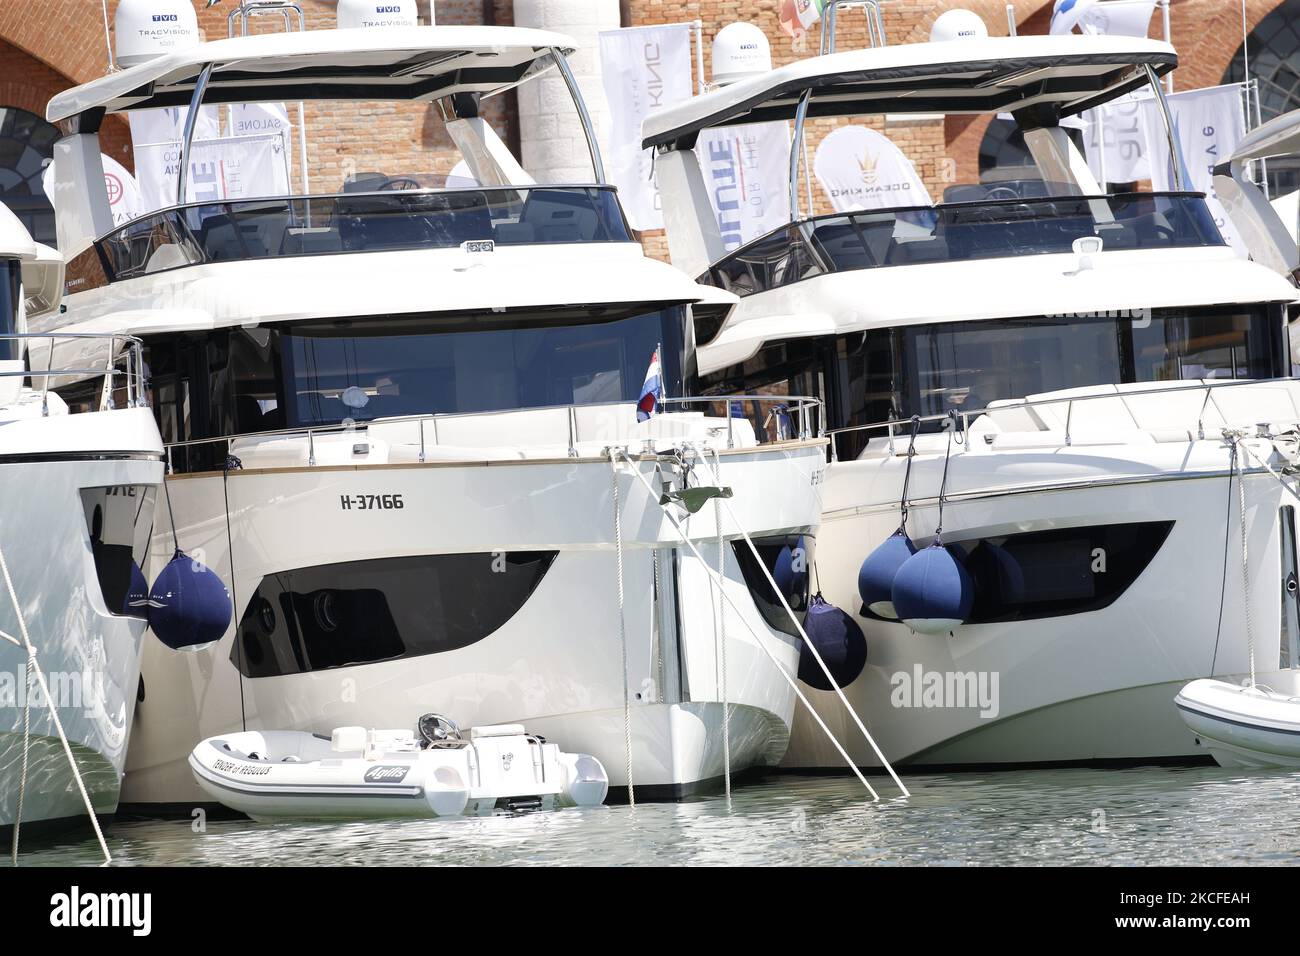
652,391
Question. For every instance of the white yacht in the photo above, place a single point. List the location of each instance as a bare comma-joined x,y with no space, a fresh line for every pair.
400,420
1099,379
78,481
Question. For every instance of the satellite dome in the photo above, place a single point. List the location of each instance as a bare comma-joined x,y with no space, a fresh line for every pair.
377,13
151,28
958,25
740,50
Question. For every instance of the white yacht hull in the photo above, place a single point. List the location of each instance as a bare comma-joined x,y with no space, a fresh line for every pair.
1094,686
555,664
90,656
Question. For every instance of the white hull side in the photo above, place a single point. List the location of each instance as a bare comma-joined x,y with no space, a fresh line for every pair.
90,657
1092,686
555,666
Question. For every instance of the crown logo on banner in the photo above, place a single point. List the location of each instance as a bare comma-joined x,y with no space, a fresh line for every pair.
867,165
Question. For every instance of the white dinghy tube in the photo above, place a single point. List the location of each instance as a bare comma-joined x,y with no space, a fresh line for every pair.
359,773
1242,726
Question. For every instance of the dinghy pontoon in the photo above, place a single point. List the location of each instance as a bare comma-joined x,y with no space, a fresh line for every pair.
394,773
1242,726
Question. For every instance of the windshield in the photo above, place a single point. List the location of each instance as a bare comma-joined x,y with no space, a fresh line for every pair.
1000,228
324,374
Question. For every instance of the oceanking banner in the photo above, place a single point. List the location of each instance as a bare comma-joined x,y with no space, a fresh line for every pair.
746,170
860,168
643,69
234,167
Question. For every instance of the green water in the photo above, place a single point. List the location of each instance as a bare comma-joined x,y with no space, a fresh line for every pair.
1130,817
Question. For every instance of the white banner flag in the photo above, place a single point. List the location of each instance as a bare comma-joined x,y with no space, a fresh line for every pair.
643,69
1115,137
1067,14
236,167
1130,18
123,191
746,170
1116,18
860,168
1209,124
168,125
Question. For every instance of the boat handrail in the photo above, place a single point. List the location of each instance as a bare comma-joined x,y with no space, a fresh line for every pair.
1015,404
132,373
801,405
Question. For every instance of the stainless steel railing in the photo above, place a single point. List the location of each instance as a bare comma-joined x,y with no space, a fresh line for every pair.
892,427
118,346
804,412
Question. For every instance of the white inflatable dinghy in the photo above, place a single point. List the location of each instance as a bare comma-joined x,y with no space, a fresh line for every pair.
393,773
1242,726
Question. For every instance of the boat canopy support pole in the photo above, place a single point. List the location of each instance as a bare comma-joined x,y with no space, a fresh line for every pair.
562,64
1175,154
796,151
191,121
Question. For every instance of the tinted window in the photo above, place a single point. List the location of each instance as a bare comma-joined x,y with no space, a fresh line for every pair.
336,615
1057,572
119,520
468,365
788,559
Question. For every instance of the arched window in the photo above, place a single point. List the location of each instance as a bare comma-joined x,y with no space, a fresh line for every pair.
1274,47
26,146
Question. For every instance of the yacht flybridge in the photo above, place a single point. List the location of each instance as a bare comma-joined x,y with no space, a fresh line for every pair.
413,430
1085,385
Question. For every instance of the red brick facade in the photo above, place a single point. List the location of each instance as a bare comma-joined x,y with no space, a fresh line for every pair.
47,46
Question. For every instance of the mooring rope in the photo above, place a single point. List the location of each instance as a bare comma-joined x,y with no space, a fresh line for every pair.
820,663
1240,469
794,684
722,631
27,736
622,626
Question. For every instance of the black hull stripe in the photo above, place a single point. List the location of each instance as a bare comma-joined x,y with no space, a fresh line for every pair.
56,456
1236,723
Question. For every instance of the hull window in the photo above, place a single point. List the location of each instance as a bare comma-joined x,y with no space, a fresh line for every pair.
119,520
789,559
1060,571
359,612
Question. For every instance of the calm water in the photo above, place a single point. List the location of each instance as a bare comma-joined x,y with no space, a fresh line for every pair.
1147,816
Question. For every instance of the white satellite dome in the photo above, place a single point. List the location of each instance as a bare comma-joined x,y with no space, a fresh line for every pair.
149,28
958,25
740,50
377,13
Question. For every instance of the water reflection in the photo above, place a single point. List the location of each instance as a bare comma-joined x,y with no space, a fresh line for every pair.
1121,817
